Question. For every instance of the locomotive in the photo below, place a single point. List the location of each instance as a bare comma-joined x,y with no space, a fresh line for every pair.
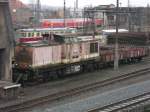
60,55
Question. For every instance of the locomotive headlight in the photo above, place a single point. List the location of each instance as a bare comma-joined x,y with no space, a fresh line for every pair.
16,64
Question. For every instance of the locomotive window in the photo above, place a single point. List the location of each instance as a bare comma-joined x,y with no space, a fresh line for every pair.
93,47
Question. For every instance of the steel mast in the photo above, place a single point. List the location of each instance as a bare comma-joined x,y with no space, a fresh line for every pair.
64,13
116,60
37,13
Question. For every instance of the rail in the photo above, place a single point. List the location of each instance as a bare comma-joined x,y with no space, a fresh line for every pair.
127,103
53,97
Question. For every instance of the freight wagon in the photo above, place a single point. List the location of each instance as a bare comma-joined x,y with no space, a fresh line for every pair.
67,55
132,38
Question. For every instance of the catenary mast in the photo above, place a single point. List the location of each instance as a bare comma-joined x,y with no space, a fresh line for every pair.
116,60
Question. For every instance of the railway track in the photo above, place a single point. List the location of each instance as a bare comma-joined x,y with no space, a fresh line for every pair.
53,97
146,58
125,104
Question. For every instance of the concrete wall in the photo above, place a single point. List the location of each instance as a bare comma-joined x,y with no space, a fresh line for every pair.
6,42
3,30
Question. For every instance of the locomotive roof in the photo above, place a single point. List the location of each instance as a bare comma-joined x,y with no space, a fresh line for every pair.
73,38
65,38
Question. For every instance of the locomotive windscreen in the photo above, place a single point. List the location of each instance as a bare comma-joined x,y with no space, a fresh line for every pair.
93,47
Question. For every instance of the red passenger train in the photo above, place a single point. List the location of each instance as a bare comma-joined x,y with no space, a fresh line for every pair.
71,23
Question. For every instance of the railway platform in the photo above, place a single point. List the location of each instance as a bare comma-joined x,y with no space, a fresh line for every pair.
8,90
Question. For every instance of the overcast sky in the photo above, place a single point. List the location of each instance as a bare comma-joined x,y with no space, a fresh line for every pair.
82,3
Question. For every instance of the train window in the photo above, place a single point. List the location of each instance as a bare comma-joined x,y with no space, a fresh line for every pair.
32,34
23,34
29,34
26,34
37,34
93,47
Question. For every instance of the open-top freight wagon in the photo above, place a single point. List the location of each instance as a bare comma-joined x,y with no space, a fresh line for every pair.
66,55
132,38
